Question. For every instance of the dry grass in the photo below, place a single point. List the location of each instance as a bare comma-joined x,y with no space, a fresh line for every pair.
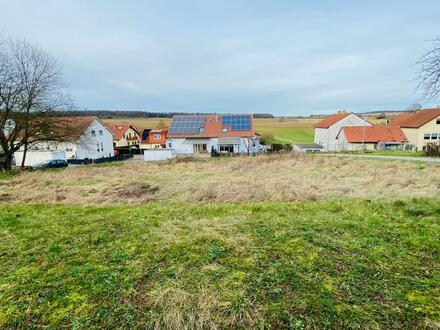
264,178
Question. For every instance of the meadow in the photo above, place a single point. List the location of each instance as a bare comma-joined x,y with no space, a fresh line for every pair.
275,241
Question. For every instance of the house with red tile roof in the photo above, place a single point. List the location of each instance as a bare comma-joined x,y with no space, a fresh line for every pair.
421,127
125,137
352,138
92,140
153,139
327,129
213,133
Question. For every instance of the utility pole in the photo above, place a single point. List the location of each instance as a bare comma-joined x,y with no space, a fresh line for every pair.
363,132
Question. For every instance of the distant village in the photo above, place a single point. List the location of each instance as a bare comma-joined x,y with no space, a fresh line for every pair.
230,134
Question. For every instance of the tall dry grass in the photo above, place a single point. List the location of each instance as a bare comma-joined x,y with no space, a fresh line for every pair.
285,177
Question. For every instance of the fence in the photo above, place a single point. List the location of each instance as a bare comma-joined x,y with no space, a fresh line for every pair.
432,149
99,160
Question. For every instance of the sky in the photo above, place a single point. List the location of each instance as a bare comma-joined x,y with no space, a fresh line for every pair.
283,57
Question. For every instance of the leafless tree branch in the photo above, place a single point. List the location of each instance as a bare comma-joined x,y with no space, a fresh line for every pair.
428,72
31,91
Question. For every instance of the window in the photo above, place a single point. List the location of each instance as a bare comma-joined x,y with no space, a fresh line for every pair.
169,144
254,144
226,148
438,121
92,132
98,147
100,132
157,136
225,130
200,148
426,136
201,130
102,147
434,136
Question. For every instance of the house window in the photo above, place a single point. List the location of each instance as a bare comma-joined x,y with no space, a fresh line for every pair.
169,144
434,136
98,147
200,148
426,136
226,148
92,132
225,130
157,136
102,147
254,144
438,121
100,132
201,130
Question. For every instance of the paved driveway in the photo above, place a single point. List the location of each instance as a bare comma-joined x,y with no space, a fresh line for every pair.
420,159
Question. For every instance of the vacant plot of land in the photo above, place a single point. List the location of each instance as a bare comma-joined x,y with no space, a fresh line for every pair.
286,177
344,264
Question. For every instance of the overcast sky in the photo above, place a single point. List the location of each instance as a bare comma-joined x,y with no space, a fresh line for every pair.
284,57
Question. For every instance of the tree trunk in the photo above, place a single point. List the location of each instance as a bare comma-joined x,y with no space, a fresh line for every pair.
7,165
24,154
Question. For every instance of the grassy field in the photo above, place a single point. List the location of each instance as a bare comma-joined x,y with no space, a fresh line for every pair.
346,264
282,130
284,177
281,241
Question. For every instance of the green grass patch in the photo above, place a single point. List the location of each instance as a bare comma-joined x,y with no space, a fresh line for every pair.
287,134
405,153
8,175
324,264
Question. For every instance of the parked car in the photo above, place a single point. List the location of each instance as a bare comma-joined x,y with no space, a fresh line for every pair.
54,163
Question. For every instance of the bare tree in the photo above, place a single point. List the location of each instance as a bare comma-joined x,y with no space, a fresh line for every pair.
31,90
428,73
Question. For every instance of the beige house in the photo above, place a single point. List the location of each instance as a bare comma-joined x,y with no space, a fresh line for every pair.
420,128
125,136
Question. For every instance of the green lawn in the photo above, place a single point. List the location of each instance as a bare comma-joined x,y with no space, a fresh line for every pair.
288,134
317,264
399,153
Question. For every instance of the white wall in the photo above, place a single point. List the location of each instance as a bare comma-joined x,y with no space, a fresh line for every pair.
158,154
327,136
185,148
97,145
35,157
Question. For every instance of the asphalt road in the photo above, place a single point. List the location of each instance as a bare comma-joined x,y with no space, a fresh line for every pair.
419,159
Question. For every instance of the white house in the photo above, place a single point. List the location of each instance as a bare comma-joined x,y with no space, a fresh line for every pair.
328,129
93,141
224,134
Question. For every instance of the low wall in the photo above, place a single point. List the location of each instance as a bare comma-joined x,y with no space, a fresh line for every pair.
36,157
158,154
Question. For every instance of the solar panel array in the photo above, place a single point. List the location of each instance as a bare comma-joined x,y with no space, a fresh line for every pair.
187,124
237,122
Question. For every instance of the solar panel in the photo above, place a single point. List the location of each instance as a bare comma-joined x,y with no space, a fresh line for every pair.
237,122
187,124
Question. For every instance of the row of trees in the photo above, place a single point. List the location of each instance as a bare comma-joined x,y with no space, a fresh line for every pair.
31,91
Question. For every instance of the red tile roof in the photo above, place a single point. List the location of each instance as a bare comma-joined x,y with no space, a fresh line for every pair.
332,119
373,134
214,128
397,120
120,129
416,119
